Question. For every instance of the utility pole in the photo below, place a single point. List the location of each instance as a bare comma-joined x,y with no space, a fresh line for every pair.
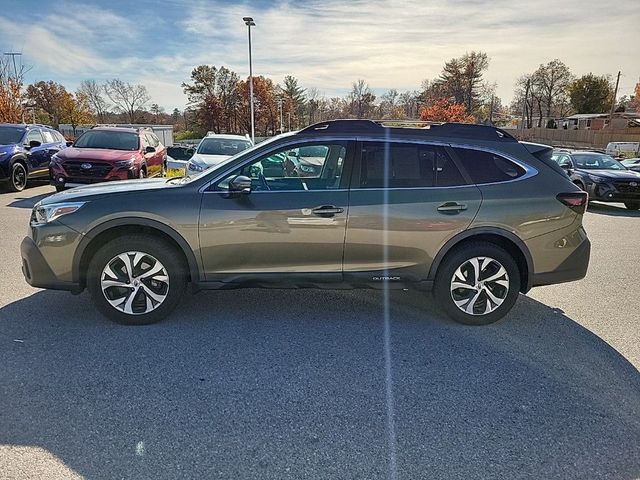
613,103
491,110
13,56
524,102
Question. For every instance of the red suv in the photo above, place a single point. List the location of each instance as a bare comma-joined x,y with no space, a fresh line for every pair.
104,154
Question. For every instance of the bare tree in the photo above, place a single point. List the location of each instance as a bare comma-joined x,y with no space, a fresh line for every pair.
126,97
361,99
93,92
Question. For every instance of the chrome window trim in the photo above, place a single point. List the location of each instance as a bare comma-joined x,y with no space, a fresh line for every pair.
529,170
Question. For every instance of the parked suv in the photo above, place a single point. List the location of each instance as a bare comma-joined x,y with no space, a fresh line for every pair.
25,153
464,210
108,153
603,177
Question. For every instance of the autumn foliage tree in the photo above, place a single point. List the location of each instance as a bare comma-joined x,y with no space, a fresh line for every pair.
445,111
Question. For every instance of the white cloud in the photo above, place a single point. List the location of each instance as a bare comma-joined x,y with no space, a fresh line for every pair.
328,44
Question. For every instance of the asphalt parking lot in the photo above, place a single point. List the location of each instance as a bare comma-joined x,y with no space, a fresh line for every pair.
293,384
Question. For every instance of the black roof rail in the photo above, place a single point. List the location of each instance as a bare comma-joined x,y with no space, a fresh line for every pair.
409,127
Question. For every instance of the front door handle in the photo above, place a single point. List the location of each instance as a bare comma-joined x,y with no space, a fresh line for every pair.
327,210
452,207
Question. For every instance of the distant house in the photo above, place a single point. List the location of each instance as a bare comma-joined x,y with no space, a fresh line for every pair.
597,121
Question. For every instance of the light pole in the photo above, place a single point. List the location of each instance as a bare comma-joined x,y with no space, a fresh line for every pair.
248,21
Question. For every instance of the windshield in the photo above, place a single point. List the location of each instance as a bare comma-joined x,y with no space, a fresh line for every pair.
107,139
220,146
596,162
10,135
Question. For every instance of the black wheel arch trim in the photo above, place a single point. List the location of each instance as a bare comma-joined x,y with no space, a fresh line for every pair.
472,232
194,269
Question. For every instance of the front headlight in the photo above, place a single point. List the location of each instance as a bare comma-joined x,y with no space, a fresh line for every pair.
43,214
597,179
126,163
192,166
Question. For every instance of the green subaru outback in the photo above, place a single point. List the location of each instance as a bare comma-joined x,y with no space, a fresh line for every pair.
466,211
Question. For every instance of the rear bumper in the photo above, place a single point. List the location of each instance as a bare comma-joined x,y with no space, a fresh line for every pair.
574,267
37,271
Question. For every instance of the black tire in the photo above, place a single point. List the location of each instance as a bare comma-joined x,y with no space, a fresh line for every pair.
459,257
143,172
18,177
155,250
632,205
163,170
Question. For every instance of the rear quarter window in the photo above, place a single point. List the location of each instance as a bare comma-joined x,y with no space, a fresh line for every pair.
487,167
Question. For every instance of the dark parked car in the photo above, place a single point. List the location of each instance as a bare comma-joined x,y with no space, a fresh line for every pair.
600,175
464,210
25,152
104,154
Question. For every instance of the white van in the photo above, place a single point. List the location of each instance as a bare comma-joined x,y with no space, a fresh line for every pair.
623,149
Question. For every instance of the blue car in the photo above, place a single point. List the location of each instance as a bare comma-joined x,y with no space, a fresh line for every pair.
25,153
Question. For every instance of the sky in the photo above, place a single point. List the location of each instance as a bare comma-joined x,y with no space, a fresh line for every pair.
326,44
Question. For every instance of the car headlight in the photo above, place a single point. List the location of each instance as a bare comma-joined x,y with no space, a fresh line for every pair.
192,166
125,163
597,179
43,214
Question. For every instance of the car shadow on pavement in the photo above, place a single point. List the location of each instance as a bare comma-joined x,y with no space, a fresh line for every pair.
613,210
291,384
28,202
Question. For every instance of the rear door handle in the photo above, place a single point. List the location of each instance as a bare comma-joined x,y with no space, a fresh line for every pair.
327,210
452,207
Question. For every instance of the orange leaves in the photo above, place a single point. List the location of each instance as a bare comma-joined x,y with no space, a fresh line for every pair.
445,111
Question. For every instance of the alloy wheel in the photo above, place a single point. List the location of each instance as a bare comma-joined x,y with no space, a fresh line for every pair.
479,286
134,283
19,177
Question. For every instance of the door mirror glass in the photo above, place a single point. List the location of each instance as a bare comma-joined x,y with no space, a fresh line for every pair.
240,184
150,149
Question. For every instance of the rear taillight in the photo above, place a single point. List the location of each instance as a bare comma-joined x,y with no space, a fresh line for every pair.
576,201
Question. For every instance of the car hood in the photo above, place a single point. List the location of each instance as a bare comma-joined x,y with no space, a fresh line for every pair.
4,149
87,192
72,153
210,160
613,174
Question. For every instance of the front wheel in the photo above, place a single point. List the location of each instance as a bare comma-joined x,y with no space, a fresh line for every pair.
632,205
136,279
477,283
18,177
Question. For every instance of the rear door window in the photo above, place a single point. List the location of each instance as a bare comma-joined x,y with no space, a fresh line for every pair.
406,165
487,167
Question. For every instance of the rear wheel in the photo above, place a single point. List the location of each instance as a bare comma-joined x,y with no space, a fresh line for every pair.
632,205
477,283
136,280
18,177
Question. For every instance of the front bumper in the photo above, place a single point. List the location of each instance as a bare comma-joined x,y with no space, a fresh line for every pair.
37,271
613,192
60,178
574,267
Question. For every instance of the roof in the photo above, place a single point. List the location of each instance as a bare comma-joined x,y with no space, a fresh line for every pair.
116,129
409,128
225,136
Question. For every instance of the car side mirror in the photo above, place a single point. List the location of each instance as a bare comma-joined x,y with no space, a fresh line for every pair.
293,153
69,143
33,144
240,184
150,150
565,166
190,152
